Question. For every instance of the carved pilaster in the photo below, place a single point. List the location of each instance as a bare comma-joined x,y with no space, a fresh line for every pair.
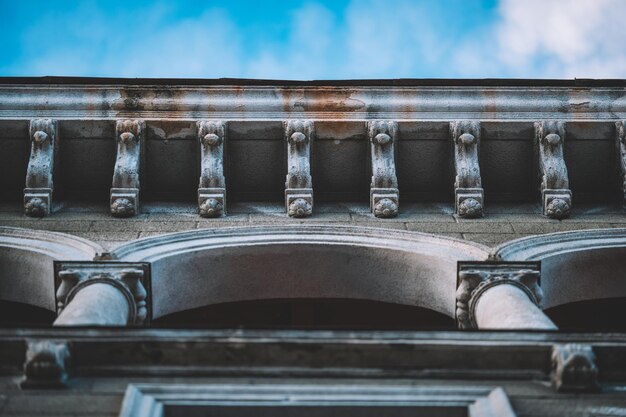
125,188
468,191
556,197
39,184
574,368
212,187
474,278
131,279
620,130
46,364
384,194
299,184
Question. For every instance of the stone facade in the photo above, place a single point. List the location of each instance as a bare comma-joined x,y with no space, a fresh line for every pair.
115,222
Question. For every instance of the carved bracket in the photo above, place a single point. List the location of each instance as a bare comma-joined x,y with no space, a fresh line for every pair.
39,185
468,191
125,189
212,187
556,196
474,278
384,194
574,368
132,279
299,184
620,129
46,364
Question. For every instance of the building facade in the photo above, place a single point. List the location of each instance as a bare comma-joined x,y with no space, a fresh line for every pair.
205,247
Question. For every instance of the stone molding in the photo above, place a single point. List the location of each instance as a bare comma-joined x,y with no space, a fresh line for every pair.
574,368
212,185
474,278
150,400
58,246
131,279
469,195
39,176
556,197
384,194
299,184
23,101
125,188
536,248
46,364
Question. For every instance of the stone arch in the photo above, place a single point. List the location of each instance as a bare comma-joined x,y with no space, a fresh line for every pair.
575,266
203,267
26,263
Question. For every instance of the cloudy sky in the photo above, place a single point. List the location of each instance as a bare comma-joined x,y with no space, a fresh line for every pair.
308,39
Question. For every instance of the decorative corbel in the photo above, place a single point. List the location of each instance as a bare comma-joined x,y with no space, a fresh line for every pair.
125,189
39,185
132,279
46,364
212,188
384,194
468,192
474,278
620,129
556,196
574,368
299,184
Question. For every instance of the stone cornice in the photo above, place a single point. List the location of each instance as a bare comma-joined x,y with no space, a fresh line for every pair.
319,102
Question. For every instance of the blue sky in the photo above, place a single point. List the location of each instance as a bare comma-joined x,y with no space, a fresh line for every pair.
307,39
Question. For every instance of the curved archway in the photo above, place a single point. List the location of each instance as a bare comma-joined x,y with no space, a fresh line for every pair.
204,267
26,263
575,266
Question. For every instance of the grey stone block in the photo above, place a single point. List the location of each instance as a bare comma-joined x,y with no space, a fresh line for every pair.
469,227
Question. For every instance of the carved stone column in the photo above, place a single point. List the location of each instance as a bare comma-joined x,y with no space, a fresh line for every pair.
101,294
556,197
500,296
299,184
39,185
468,191
620,130
212,187
125,189
384,194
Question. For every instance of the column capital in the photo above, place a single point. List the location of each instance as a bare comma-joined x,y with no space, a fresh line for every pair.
132,279
475,278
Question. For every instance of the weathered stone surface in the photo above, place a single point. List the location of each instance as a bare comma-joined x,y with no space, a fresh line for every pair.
39,182
556,196
384,194
212,187
46,364
125,188
299,184
574,368
468,191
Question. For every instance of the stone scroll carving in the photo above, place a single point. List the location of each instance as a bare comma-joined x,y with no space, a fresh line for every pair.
212,187
474,278
299,184
39,184
468,191
130,279
574,368
620,128
46,364
556,196
125,189
384,194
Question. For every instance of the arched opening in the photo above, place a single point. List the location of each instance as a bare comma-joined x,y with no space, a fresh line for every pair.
27,272
197,276
330,313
